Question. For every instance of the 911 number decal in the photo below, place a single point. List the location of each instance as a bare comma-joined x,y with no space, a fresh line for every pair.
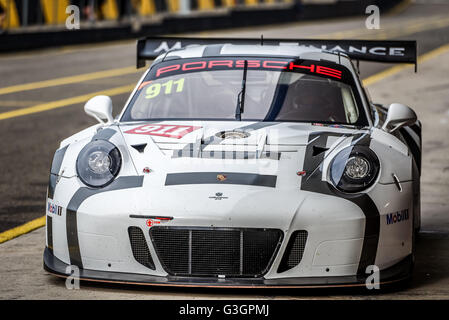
163,130
155,89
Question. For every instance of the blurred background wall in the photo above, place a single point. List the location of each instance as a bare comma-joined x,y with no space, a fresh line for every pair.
24,13
33,24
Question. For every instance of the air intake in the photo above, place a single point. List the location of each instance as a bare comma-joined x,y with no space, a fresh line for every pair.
139,247
200,251
294,251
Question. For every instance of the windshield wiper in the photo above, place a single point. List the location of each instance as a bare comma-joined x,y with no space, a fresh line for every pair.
241,96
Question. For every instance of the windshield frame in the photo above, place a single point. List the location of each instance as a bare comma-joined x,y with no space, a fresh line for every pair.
350,79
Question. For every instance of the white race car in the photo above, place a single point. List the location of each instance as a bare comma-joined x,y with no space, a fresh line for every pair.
241,163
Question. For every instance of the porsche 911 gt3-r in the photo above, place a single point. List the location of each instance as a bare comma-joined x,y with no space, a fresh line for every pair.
241,163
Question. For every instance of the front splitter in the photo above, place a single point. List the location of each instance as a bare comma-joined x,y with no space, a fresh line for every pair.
396,273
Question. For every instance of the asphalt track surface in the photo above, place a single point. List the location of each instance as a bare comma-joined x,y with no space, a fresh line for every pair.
35,115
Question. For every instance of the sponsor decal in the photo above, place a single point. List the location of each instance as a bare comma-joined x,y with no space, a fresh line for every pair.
54,209
375,49
157,220
164,47
395,217
163,130
152,222
218,196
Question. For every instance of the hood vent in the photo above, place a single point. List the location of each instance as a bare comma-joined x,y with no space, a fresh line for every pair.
318,150
232,135
140,147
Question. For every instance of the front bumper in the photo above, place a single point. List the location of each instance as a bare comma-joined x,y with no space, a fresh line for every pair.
395,273
331,257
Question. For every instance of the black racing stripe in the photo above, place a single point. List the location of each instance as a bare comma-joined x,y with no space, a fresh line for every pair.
54,171
372,230
213,50
72,238
104,134
51,185
372,218
313,183
49,234
250,179
414,148
417,128
79,196
57,160
77,199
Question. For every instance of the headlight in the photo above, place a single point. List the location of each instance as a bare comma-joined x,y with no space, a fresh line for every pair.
354,169
357,167
98,163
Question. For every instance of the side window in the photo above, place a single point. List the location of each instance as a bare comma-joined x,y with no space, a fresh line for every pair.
351,111
365,93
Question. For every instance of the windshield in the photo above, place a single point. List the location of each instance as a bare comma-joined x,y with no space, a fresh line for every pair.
276,90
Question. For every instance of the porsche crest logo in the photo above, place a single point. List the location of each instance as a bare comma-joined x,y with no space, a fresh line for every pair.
221,177
218,196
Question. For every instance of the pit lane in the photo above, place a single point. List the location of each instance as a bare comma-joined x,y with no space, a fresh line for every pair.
29,140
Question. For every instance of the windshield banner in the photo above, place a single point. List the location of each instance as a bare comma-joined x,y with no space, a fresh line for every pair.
322,69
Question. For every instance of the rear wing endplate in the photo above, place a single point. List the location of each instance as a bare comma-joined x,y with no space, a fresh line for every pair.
387,51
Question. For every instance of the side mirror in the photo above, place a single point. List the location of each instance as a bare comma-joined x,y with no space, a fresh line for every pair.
100,107
398,115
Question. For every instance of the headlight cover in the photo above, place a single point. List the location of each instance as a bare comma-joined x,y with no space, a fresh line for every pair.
98,163
354,169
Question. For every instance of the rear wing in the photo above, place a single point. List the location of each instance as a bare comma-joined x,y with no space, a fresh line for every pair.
387,51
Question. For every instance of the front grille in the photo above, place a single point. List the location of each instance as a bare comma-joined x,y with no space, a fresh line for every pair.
198,251
139,247
294,250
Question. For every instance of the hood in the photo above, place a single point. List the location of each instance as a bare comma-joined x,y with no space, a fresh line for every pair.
214,172
182,132
251,147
